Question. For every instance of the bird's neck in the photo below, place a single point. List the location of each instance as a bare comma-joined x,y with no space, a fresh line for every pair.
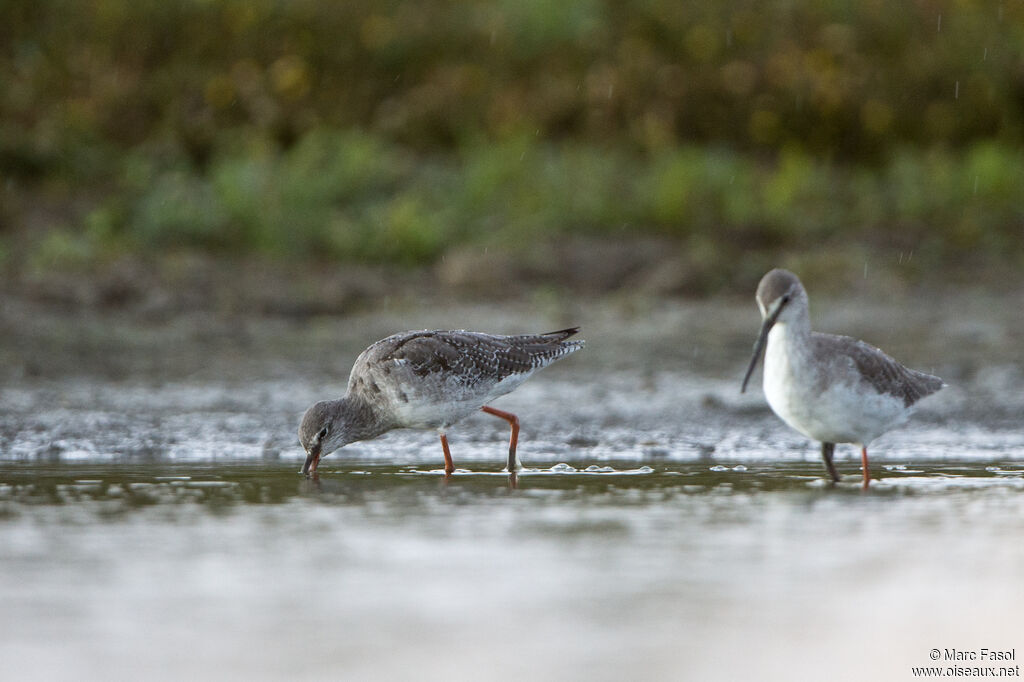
361,421
789,345
797,329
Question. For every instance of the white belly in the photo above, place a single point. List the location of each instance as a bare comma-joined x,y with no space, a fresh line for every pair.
827,402
437,405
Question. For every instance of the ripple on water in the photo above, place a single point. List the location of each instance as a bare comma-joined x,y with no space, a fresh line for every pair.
563,468
943,483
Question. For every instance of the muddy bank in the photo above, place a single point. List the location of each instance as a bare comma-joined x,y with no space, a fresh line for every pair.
161,286
155,322
659,379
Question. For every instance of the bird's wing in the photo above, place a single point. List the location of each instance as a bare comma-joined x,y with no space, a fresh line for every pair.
471,356
885,374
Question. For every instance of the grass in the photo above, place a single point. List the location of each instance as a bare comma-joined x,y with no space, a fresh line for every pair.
348,196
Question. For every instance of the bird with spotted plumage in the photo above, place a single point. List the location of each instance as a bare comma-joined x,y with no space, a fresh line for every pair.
833,389
429,380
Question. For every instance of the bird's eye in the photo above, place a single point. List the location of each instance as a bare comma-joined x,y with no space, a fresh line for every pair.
322,434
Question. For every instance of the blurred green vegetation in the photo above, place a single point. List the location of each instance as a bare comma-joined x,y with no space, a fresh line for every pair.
389,131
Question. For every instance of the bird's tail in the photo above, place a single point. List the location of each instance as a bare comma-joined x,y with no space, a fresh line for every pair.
543,349
561,334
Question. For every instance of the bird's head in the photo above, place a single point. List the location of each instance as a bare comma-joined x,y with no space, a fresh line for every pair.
781,298
321,432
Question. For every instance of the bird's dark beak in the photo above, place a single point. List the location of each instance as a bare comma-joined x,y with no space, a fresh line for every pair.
312,461
762,339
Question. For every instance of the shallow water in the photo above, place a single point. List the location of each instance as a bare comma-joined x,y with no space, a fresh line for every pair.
152,522
671,571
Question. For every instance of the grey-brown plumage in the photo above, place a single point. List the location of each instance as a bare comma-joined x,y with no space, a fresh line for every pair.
428,379
471,357
879,370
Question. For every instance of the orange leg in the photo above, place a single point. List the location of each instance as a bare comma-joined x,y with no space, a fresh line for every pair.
514,421
864,465
448,466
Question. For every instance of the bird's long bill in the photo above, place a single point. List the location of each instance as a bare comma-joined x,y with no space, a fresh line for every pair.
762,339
312,461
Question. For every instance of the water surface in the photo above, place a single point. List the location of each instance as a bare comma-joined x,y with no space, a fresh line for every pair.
153,525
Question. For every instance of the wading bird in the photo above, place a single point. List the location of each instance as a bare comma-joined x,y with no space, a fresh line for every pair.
834,389
429,380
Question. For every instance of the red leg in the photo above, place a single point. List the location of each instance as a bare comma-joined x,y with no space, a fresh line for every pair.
448,466
864,465
514,440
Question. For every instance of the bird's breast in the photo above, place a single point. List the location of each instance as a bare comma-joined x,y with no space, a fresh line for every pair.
823,397
794,391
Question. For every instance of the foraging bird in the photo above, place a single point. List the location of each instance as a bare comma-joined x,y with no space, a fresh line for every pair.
833,389
429,380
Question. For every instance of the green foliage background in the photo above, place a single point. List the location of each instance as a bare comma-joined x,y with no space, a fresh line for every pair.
391,131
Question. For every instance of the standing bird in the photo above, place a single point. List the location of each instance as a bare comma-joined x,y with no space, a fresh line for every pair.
428,380
833,389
